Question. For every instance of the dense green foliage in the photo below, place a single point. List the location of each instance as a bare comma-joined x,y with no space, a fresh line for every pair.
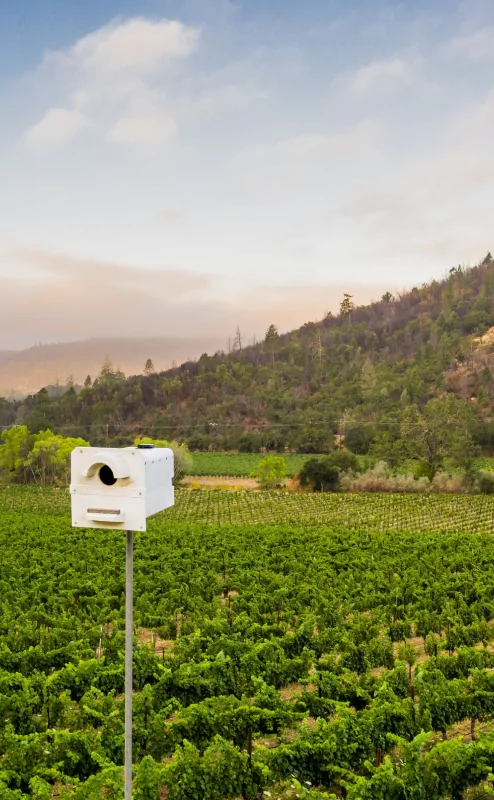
355,374
321,474
271,472
40,458
283,654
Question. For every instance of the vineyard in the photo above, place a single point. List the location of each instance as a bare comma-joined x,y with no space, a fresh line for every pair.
240,465
285,646
372,512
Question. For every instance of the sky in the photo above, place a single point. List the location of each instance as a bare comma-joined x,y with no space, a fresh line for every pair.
183,167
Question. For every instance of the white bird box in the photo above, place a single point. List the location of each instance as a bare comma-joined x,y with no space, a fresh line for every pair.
119,488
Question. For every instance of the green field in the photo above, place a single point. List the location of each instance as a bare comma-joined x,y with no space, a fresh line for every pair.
239,465
325,643
435,513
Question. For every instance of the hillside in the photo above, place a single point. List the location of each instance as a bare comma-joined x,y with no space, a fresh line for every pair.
25,371
354,372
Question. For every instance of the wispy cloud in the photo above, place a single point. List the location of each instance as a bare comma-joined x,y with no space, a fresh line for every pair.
136,46
73,273
156,126
385,74
57,126
476,46
298,159
475,122
127,82
115,79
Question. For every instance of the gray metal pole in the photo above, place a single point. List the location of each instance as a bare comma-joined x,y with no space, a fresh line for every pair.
129,557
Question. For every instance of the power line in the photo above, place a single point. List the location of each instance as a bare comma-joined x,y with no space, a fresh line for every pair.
204,425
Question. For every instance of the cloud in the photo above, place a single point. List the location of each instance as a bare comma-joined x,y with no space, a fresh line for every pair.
390,73
126,83
137,46
477,46
58,125
228,97
67,272
300,159
435,207
144,129
475,123
115,79
317,145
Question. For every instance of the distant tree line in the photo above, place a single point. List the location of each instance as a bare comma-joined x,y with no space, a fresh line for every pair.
366,377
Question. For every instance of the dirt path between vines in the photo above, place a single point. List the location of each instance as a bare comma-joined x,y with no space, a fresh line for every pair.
210,481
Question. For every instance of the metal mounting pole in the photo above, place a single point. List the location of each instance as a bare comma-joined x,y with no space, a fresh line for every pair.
129,557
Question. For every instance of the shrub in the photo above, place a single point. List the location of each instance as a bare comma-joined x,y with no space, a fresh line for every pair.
321,474
271,472
345,460
485,482
443,482
249,443
380,479
199,441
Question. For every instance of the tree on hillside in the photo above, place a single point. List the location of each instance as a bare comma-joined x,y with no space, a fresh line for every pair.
347,306
368,378
149,367
237,342
271,340
106,368
389,358
358,435
386,299
318,348
388,446
88,382
442,432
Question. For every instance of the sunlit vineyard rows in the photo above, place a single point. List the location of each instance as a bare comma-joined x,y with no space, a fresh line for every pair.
372,512
322,647
379,512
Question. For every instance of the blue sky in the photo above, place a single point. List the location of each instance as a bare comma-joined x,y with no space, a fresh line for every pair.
220,163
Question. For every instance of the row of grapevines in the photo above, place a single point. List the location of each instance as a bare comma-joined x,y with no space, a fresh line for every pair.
327,654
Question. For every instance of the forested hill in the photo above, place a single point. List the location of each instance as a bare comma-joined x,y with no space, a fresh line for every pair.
354,373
